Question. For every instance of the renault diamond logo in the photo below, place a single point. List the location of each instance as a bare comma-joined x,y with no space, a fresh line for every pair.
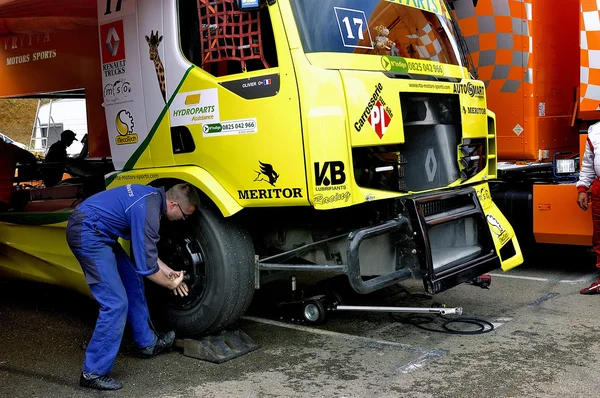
112,41
430,165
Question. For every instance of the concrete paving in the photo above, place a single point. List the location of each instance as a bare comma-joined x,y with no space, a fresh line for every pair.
544,344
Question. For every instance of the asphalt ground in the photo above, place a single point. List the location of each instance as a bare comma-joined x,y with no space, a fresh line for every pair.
545,343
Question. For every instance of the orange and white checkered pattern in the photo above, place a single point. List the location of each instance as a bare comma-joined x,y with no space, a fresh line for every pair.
589,25
498,35
430,47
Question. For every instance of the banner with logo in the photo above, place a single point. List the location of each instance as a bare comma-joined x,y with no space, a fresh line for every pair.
121,78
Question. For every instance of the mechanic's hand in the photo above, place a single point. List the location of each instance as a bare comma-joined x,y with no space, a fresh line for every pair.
181,290
582,200
176,280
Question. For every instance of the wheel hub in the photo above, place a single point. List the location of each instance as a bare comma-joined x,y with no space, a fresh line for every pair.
186,254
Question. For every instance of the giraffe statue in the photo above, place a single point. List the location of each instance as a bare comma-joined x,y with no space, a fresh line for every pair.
153,41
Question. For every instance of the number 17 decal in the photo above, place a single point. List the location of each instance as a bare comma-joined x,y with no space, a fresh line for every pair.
354,28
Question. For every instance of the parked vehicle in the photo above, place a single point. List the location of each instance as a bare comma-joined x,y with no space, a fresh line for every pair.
342,137
541,68
9,140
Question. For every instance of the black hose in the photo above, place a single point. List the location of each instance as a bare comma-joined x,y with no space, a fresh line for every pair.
420,320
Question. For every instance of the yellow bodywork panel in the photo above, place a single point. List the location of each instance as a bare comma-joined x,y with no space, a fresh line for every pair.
501,230
200,178
39,252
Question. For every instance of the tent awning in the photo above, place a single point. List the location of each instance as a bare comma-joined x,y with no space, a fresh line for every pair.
45,16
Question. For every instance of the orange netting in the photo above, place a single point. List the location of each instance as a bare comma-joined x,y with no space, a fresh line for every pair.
227,34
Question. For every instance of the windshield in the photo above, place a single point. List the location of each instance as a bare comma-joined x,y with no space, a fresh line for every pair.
378,27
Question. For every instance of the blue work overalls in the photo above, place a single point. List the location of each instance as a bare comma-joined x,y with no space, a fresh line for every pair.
133,213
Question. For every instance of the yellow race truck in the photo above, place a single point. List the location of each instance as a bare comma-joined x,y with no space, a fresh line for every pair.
337,136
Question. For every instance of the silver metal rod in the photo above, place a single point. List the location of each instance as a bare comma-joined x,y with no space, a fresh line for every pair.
301,267
302,248
416,310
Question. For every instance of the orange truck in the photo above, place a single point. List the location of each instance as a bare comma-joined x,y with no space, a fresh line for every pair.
540,62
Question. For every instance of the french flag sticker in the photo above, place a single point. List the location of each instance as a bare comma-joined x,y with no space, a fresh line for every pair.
267,82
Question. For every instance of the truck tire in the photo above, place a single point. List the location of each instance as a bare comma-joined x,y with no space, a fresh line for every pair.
218,256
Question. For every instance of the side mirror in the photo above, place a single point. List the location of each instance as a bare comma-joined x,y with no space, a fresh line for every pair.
247,5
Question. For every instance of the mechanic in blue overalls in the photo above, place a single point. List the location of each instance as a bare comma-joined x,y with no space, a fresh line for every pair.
130,212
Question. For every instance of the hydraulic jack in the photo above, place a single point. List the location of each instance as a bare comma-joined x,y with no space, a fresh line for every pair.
313,310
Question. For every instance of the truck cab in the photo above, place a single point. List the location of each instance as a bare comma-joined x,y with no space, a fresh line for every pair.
337,137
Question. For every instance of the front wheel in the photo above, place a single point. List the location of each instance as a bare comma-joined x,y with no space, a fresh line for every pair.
218,256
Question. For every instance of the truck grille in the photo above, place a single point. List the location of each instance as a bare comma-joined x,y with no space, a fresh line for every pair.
446,205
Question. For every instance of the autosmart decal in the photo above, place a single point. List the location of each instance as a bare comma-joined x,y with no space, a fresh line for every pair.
195,107
472,110
125,125
470,89
266,174
497,229
377,113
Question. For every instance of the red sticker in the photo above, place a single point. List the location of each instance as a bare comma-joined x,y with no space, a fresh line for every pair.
113,42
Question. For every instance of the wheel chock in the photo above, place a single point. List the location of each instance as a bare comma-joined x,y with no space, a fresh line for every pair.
219,348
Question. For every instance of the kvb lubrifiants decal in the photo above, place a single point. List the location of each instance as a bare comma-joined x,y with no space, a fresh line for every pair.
266,174
377,113
330,181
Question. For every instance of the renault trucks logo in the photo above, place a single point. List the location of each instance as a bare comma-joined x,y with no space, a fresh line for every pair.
113,48
431,165
125,124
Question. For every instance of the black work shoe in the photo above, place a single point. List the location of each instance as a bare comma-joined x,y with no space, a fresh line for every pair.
163,342
99,382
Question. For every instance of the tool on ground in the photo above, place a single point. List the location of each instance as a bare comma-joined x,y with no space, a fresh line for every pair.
483,281
314,309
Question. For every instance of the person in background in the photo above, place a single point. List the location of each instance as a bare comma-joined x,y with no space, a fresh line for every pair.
10,155
589,178
57,154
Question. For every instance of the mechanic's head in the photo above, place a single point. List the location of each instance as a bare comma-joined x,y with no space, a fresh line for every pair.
182,200
67,137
